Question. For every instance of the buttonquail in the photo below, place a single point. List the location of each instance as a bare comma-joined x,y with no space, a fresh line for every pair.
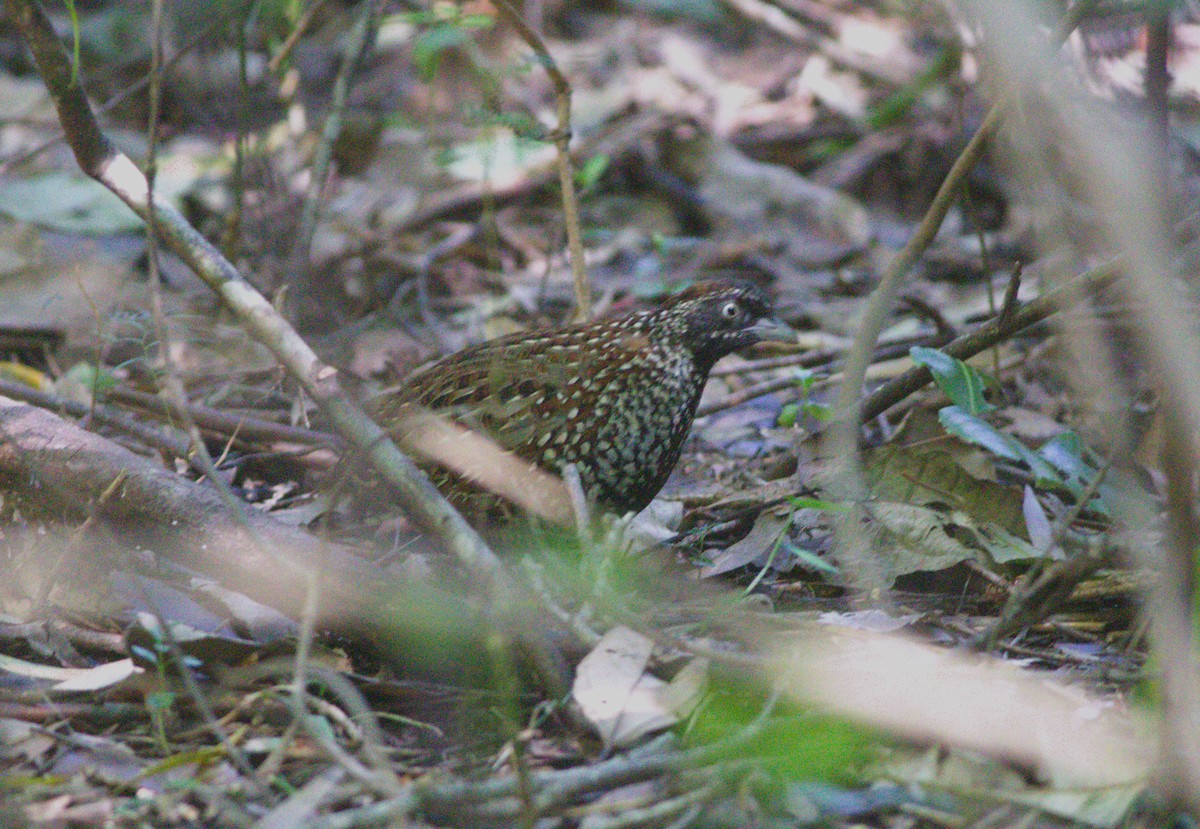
614,397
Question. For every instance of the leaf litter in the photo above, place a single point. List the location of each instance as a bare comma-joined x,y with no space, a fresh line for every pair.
794,147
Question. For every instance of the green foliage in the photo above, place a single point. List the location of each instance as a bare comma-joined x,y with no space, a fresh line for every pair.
790,743
447,29
817,411
790,414
1060,464
1067,453
589,175
431,46
524,127
898,104
817,504
823,149
973,429
88,376
962,383
783,542
446,15
808,559
160,700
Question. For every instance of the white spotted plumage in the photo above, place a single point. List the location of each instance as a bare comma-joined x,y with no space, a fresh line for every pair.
614,397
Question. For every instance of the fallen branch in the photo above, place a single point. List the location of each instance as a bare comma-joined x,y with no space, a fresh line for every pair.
58,471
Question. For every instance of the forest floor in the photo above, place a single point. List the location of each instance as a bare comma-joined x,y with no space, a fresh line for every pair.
958,614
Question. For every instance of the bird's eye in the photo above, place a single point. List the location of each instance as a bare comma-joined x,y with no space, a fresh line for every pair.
730,310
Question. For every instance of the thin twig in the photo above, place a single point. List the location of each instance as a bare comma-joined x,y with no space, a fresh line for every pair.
850,411
737,398
1048,586
167,635
561,136
284,52
72,549
828,355
1009,303
991,332
173,385
214,420
173,444
356,44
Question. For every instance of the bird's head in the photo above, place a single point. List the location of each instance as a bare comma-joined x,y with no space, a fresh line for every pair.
715,319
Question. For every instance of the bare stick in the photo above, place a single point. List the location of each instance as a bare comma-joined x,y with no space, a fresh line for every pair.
561,136
323,158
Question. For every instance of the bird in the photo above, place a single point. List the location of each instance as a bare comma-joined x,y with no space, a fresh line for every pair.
614,397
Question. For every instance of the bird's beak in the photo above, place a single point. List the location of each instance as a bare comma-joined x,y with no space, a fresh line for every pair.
773,330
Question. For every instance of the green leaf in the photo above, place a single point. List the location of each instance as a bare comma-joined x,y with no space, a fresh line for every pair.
91,378
919,539
160,700
74,14
794,744
200,756
974,430
809,559
1065,452
818,411
1003,546
442,17
816,503
896,105
429,47
477,21
962,383
592,171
